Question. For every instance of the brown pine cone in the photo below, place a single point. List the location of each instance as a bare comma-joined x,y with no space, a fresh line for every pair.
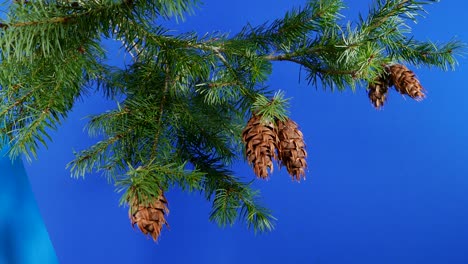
405,81
260,140
377,91
291,149
150,218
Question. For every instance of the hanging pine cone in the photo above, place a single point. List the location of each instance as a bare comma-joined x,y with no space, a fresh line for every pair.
260,140
150,218
377,91
405,81
291,149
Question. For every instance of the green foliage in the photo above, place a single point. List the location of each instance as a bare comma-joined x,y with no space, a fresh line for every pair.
135,183
184,99
271,109
240,200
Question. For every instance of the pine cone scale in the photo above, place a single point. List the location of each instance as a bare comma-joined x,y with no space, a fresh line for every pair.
405,82
150,219
291,149
260,140
377,91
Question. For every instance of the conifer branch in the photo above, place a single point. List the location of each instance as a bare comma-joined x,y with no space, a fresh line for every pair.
161,111
52,20
184,99
18,102
86,161
315,68
69,18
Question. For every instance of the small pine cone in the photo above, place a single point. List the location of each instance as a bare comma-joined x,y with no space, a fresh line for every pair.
260,145
291,149
150,218
377,91
405,81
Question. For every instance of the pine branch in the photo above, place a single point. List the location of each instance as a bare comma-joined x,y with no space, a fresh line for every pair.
428,53
271,109
94,158
52,20
161,112
150,179
38,106
184,99
237,200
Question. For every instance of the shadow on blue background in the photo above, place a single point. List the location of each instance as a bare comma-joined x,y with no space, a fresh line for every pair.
23,236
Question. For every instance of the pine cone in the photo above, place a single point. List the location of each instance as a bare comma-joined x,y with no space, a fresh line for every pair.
405,82
151,218
378,91
291,149
260,141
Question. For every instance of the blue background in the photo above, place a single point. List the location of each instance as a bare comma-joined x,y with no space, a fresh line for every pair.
385,186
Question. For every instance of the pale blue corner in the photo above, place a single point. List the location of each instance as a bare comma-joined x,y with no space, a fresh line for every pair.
23,235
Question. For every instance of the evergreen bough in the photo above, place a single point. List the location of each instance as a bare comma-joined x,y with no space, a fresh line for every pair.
184,100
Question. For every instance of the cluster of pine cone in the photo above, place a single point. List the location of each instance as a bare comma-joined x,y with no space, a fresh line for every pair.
397,75
264,142
280,140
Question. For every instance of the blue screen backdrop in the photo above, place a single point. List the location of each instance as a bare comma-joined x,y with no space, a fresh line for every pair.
383,187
